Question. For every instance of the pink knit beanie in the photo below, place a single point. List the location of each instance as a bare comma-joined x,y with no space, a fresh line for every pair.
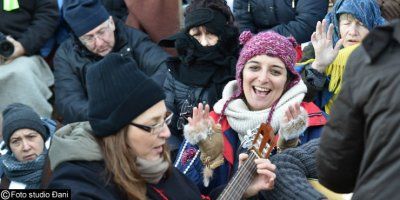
266,43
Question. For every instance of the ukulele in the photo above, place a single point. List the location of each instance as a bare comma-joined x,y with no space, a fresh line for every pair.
261,147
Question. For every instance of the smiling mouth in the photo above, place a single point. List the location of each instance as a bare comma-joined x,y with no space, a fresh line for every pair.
262,91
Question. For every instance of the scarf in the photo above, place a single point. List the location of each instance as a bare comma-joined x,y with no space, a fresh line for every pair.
202,66
152,171
242,119
335,71
29,173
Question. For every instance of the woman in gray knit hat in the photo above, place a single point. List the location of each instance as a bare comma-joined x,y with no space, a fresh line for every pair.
24,137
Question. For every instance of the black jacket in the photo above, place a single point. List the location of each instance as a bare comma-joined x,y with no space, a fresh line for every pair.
32,24
72,60
359,149
87,181
296,18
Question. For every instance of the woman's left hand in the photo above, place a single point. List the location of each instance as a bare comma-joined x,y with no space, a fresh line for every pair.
265,178
292,112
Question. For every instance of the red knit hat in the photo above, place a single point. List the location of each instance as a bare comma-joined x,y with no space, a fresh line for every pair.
266,43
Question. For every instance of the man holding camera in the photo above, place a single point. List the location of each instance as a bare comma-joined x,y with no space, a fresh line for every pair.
24,76
95,35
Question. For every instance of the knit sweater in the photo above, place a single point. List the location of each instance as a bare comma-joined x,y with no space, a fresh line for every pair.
293,167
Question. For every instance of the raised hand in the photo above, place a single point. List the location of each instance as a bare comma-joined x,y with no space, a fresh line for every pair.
201,116
292,113
265,178
322,42
293,123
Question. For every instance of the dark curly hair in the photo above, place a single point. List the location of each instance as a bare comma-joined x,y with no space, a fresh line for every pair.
219,5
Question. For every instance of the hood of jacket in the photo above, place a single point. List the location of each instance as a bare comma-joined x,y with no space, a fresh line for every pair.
74,142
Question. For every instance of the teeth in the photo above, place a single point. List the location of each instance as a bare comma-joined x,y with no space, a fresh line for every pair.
261,89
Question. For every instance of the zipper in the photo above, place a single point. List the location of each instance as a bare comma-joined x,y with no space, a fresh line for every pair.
248,7
293,3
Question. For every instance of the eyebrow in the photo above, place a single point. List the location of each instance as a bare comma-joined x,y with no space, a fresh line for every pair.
252,61
277,66
273,65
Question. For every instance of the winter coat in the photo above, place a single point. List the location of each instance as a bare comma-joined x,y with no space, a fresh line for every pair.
90,182
359,149
189,163
180,98
159,19
32,24
295,18
72,60
78,165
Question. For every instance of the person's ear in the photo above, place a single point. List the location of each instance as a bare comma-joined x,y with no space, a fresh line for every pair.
112,23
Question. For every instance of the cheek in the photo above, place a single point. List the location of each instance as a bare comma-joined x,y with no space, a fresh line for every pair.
247,80
140,144
363,32
279,83
38,146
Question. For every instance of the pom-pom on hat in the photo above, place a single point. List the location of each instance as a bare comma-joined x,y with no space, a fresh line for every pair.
266,43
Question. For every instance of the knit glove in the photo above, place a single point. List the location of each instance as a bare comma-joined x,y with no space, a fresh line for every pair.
208,136
293,124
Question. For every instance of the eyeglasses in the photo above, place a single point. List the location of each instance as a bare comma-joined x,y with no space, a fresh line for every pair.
89,40
158,128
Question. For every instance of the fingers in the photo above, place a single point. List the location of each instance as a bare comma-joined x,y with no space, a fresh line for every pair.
11,39
318,30
267,169
338,45
314,38
265,164
199,113
206,114
242,158
330,32
292,112
323,29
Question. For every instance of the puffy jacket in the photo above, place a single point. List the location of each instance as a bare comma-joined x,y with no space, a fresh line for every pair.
359,148
72,60
295,18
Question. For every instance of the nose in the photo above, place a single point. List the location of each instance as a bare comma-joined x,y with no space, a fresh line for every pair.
165,133
97,41
263,76
25,145
352,29
204,41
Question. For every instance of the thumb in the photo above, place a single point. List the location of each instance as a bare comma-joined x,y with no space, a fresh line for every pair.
11,39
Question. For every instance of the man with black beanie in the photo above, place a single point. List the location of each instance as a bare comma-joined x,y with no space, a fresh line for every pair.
96,34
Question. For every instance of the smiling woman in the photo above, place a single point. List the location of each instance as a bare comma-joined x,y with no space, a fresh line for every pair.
267,89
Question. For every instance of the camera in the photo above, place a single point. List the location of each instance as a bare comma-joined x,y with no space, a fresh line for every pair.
6,47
